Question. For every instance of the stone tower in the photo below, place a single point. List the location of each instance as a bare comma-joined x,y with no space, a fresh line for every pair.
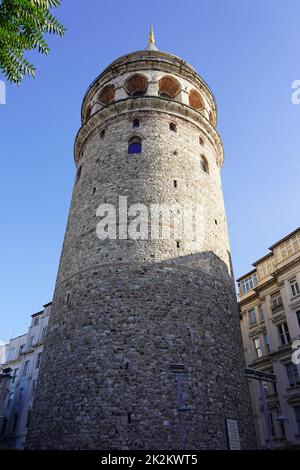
133,320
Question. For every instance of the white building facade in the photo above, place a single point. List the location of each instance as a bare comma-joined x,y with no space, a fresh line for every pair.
19,369
270,322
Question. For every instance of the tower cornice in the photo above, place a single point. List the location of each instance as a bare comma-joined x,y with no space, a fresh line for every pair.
147,103
149,60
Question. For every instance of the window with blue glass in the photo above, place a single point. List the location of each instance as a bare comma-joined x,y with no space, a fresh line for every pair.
135,145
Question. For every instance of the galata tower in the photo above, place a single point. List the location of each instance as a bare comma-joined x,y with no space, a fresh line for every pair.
143,349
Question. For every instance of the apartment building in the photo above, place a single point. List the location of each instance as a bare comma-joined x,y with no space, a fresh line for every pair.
269,301
19,369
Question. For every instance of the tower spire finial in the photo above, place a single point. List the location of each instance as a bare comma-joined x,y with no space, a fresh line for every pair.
151,40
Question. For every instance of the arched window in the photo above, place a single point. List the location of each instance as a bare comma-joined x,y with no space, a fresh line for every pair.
135,145
136,85
203,164
102,134
135,123
107,94
173,127
168,87
201,140
195,100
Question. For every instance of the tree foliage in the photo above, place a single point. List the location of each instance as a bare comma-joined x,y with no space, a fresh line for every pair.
23,24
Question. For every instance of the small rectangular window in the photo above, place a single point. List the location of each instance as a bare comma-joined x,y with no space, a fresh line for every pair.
175,183
78,174
36,321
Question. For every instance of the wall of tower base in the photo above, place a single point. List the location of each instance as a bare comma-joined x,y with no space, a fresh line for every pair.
106,382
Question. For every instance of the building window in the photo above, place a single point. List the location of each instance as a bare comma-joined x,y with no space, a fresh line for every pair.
292,374
203,164
33,387
135,123
257,347
4,423
28,418
135,145
38,360
267,343
201,141
21,393
297,416
248,283
272,424
15,422
261,312
10,354
21,349
276,301
30,342
10,399
43,334
252,316
173,127
14,375
25,369
283,332
36,321
294,288
298,317
102,134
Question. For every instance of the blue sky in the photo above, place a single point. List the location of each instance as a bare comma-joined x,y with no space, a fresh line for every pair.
248,53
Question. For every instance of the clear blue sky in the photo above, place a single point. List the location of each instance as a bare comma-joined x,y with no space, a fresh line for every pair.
248,51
